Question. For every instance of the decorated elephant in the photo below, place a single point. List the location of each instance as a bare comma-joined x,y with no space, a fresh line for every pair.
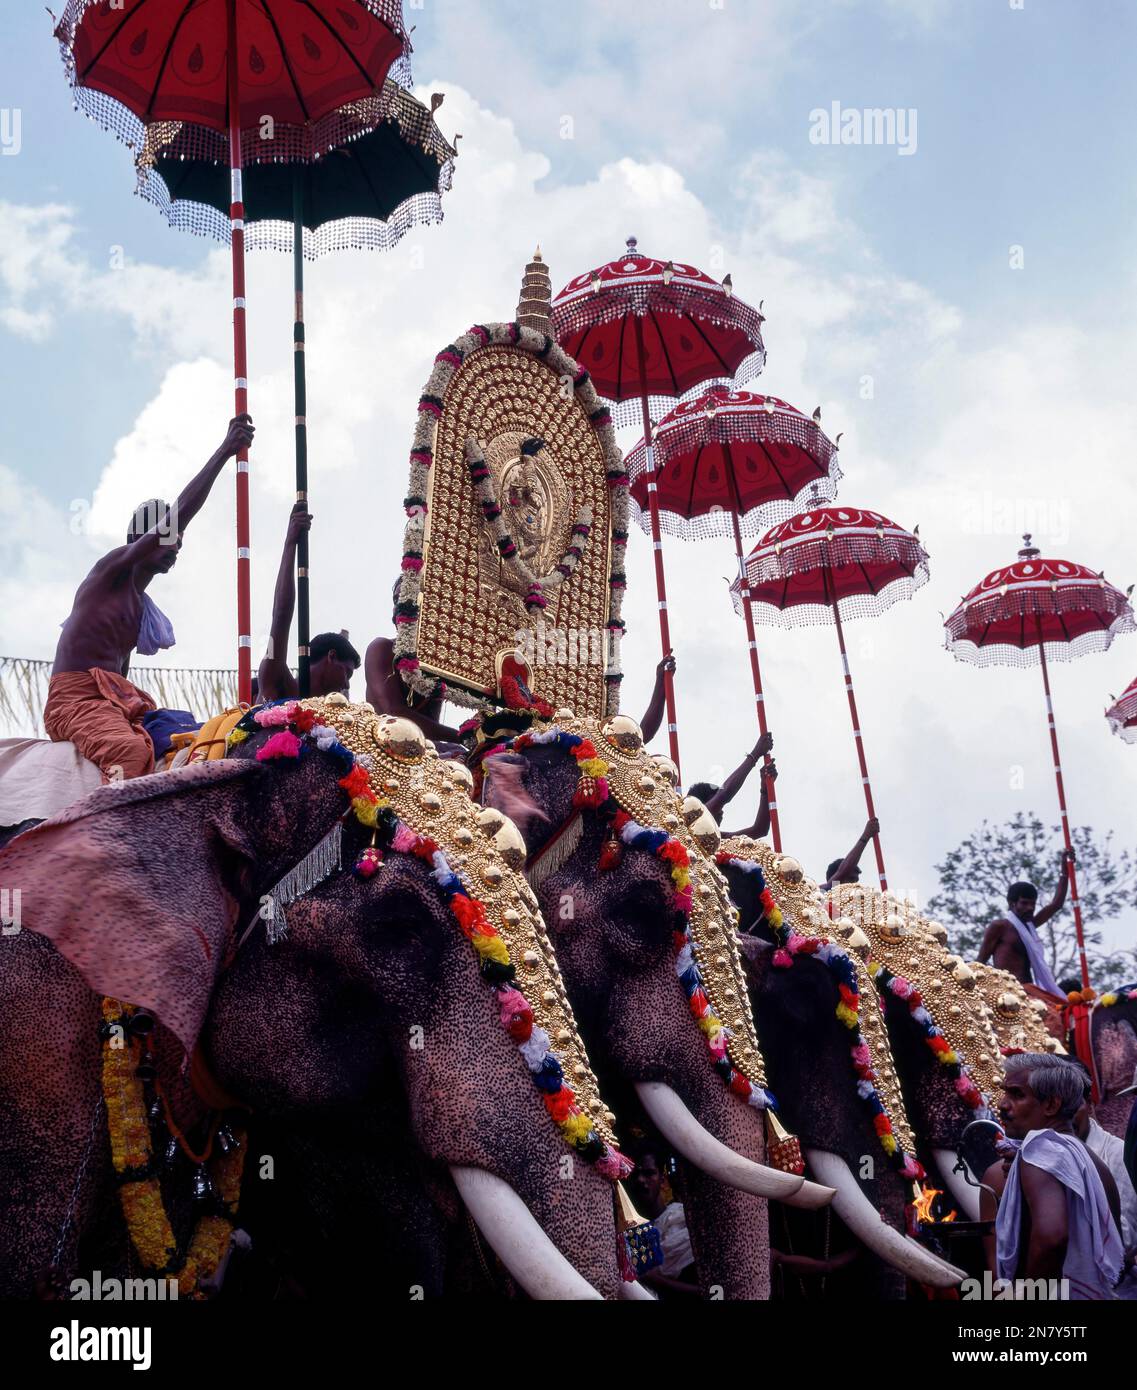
829,1060
940,1030
1113,1039
370,1021
644,933
1018,1020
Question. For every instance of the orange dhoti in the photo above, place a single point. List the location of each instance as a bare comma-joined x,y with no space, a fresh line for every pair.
100,712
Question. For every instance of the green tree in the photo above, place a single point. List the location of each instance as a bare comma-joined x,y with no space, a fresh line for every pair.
975,876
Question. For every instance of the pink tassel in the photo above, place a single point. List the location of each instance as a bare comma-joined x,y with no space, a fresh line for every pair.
282,745
684,900
782,959
412,562
614,1165
404,840
861,1057
277,716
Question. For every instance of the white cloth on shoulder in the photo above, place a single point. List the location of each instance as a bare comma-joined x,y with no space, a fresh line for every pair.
1093,1247
155,631
1039,969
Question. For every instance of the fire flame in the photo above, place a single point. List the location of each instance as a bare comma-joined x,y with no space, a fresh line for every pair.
924,1204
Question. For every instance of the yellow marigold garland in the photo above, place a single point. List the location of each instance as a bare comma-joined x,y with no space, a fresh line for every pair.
132,1153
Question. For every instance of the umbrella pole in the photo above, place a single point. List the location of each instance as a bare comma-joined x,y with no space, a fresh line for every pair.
755,670
1074,903
859,741
657,548
300,393
240,368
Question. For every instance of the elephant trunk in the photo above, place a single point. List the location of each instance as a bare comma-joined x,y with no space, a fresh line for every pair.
517,1238
698,1146
864,1221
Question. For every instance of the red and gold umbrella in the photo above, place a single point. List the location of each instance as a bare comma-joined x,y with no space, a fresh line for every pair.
647,332
228,65
833,564
1037,610
727,463
1122,714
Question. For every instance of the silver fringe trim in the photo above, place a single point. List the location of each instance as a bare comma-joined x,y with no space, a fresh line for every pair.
318,864
556,853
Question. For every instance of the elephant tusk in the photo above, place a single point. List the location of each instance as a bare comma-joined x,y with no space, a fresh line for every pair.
633,1291
866,1223
699,1146
517,1238
963,1194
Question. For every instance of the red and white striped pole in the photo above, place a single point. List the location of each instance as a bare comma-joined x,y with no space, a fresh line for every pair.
755,669
1074,902
657,548
857,736
240,368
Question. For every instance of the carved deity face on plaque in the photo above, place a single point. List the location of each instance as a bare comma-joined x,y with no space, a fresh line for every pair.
536,505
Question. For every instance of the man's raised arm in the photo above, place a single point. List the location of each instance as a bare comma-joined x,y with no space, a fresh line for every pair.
653,715
1057,901
733,784
761,827
275,680
192,497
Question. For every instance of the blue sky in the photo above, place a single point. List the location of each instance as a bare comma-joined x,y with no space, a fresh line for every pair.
993,387
1022,138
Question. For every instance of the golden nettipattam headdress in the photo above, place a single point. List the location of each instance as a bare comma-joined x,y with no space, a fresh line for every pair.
513,563
1018,1020
914,948
802,906
431,797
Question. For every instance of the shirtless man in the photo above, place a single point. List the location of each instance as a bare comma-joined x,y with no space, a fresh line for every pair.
332,660
389,695
715,799
1011,943
90,702
848,870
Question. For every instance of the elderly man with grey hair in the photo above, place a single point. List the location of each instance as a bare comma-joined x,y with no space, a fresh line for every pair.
1058,1216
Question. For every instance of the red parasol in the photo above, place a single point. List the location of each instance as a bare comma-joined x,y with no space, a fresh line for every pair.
831,564
737,455
1041,609
1122,714
647,332
227,64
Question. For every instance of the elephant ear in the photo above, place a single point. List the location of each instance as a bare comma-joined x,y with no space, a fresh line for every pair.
136,883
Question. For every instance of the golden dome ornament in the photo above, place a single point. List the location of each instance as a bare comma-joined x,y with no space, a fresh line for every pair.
398,738
624,733
789,868
667,768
